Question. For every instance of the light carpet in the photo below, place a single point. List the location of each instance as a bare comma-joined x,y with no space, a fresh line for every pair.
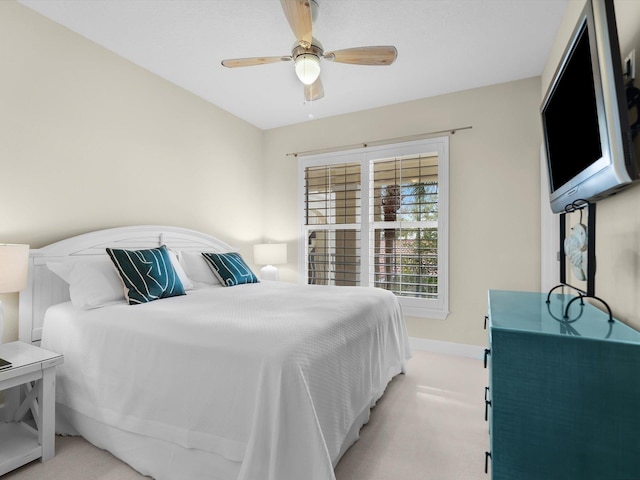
429,425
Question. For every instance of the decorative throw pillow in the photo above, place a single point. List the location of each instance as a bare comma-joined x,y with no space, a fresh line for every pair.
147,275
230,268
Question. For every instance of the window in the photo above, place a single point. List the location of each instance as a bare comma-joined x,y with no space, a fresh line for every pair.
377,216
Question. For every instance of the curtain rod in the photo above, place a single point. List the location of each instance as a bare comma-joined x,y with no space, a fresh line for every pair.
407,138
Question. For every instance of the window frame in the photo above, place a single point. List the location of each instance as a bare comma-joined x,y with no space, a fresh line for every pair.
366,156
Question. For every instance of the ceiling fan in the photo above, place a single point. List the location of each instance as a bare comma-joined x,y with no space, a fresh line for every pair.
307,51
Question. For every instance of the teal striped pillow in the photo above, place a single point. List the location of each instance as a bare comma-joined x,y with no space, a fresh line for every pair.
147,274
230,268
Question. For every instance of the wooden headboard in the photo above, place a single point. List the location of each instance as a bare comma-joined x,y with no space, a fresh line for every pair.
44,288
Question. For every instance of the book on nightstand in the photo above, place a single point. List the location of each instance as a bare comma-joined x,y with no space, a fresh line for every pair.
4,364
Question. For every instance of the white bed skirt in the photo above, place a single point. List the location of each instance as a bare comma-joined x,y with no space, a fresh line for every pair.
166,460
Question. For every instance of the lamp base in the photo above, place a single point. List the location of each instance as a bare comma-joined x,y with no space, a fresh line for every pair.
269,272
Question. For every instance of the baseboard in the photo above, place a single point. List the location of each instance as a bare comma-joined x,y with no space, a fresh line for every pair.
451,348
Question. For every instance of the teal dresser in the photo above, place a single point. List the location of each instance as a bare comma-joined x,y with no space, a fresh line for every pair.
563,401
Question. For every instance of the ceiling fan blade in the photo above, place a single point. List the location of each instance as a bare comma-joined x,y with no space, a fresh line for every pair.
379,55
248,62
315,91
298,13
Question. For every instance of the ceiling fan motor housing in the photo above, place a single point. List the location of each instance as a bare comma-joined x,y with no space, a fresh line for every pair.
314,49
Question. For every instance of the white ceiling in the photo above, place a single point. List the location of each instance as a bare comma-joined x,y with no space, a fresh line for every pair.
443,46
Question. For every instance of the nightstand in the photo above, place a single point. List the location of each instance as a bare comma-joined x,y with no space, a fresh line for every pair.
28,385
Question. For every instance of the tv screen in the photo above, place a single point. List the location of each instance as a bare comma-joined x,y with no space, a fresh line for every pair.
585,119
573,107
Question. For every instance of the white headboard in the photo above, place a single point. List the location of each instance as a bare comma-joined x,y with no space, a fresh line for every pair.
44,288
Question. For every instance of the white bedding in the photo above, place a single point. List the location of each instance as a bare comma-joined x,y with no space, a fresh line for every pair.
272,375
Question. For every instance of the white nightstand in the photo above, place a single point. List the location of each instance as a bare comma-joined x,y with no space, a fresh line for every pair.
33,372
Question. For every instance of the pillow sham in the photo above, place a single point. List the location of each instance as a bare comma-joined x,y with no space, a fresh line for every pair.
230,268
184,278
147,275
93,283
197,268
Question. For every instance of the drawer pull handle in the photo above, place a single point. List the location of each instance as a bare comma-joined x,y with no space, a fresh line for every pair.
487,352
487,404
486,317
487,456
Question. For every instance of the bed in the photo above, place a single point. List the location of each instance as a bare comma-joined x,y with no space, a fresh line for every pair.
257,381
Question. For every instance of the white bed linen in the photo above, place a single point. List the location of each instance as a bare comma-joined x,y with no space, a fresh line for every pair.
272,375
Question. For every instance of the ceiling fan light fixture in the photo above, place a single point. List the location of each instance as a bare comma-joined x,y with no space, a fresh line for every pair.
307,68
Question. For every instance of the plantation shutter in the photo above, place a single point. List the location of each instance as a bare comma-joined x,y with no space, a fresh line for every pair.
333,223
404,225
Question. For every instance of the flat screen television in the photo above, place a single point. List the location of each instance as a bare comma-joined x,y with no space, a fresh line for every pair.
585,118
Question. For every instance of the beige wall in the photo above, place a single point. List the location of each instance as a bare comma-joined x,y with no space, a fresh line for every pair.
494,185
617,218
90,141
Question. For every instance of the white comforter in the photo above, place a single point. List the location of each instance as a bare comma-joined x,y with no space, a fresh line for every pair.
270,374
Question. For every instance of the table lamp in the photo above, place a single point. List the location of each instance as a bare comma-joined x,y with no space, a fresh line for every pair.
270,254
14,265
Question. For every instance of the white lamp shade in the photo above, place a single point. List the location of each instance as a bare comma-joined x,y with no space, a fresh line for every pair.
270,254
14,265
307,68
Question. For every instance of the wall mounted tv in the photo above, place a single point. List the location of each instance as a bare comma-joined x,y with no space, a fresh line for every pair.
585,118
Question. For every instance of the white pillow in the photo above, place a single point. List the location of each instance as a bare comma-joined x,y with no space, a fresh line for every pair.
184,278
93,283
196,268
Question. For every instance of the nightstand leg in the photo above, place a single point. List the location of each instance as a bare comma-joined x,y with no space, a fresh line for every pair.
46,433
